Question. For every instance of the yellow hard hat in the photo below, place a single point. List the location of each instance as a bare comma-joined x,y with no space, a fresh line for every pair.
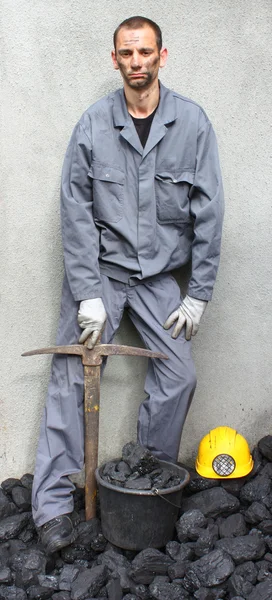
223,454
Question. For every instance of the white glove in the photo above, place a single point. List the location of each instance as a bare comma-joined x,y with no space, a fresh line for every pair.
92,318
189,314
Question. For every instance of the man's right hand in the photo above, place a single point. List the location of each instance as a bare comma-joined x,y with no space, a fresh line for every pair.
92,318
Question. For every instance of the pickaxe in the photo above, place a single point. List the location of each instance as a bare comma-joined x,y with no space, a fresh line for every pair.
91,360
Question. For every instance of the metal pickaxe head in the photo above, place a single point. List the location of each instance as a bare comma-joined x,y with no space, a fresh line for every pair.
94,357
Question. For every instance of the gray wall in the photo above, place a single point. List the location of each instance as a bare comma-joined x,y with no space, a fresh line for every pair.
55,62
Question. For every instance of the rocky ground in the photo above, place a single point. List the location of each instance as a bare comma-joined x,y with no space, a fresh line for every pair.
222,548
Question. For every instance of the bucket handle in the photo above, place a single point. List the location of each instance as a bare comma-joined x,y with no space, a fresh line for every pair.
157,493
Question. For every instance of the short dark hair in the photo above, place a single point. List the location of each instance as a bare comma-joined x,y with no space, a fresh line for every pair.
136,23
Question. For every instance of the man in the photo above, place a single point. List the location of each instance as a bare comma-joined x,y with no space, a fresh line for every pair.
141,194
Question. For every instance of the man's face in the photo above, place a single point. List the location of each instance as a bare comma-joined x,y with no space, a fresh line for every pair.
137,57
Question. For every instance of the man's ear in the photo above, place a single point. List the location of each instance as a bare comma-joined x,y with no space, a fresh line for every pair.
113,57
163,57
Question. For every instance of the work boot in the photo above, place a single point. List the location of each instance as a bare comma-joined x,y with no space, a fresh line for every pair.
58,532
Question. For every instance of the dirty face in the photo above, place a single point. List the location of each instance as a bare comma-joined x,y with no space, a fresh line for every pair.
137,57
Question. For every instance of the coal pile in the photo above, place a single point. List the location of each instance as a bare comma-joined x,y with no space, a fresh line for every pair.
139,470
222,548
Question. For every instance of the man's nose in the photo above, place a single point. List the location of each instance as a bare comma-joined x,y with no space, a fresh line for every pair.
136,61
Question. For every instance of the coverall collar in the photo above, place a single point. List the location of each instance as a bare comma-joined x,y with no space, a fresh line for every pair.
165,114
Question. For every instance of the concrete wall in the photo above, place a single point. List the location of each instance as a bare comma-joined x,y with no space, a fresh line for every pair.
55,62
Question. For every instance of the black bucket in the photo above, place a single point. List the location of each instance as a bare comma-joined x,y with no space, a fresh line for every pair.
138,519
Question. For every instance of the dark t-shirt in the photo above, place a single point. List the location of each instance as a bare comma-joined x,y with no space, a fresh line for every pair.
143,126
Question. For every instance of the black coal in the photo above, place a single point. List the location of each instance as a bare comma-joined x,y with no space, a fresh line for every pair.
222,548
138,469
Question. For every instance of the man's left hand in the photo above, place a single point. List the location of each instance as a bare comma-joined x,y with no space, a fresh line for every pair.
188,314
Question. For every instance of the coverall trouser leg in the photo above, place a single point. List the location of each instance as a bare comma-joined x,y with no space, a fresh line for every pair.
169,389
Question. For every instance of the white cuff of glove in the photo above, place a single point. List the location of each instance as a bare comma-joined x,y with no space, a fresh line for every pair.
188,314
92,318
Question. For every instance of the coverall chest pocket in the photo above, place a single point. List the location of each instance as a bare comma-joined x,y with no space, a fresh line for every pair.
172,196
108,192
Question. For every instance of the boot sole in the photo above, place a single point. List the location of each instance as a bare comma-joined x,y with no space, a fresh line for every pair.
59,544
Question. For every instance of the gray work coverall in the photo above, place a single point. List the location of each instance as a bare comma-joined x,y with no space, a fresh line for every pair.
129,216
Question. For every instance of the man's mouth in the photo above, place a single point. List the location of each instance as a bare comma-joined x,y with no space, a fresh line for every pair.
137,74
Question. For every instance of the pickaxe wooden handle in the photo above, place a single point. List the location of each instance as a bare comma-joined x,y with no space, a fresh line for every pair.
91,360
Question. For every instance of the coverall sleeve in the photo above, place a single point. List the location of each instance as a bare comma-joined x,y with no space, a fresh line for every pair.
79,233
207,210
